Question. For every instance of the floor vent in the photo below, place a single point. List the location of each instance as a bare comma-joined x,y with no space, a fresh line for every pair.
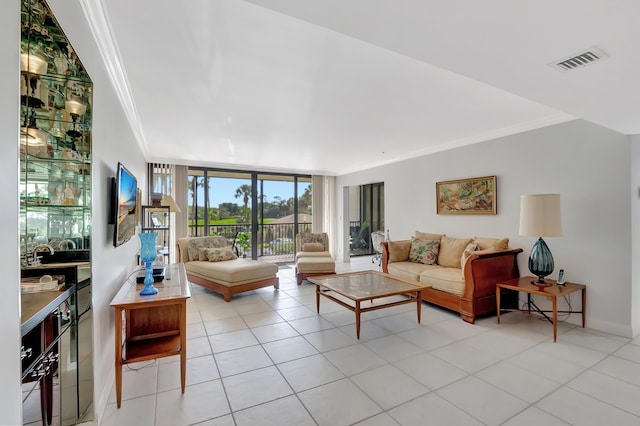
580,60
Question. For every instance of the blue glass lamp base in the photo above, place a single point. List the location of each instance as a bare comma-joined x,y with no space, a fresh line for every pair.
540,262
147,255
149,289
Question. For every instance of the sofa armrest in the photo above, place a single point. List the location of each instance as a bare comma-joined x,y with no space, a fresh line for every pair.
385,256
483,270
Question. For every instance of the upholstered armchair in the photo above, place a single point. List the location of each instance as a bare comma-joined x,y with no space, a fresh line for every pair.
313,256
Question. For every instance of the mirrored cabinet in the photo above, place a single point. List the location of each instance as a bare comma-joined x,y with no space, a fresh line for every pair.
55,222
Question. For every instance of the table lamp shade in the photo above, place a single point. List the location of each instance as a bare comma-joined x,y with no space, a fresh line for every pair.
168,201
540,217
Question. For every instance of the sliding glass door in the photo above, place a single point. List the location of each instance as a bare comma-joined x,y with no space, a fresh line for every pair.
367,216
260,212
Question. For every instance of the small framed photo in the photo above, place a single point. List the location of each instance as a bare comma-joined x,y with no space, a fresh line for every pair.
467,196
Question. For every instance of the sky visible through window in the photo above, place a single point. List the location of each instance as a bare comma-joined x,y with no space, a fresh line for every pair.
223,190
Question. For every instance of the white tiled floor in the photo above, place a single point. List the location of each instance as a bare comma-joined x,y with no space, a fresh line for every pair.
267,358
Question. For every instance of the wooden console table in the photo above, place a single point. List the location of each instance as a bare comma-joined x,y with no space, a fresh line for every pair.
150,327
552,291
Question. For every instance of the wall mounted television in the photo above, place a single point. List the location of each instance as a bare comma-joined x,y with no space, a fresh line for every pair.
126,191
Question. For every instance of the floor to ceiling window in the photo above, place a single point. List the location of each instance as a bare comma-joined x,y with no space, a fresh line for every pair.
260,212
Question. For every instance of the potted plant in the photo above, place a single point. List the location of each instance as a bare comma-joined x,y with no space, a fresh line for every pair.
243,239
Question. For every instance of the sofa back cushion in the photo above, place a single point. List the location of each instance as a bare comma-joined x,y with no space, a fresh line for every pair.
428,236
424,251
399,250
451,251
491,243
312,237
311,247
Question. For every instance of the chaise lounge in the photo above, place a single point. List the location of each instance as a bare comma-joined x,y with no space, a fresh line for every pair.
313,257
211,263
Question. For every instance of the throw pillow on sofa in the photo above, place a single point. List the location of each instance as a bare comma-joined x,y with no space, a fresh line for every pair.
399,250
424,251
196,244
220,254
468,251
451,251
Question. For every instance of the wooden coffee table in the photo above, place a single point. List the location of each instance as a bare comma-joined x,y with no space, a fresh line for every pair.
366,287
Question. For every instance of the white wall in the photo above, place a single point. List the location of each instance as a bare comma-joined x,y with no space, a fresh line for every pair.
113,141
635,232
11,401
587,164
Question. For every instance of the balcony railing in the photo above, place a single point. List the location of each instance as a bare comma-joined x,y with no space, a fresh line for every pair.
274,239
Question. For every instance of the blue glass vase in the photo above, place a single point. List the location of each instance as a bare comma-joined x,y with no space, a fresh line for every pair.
148,255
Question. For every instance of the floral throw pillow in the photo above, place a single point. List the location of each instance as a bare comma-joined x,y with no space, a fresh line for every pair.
424,251
218,254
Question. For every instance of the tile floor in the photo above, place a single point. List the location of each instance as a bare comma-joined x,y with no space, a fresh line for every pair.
266,358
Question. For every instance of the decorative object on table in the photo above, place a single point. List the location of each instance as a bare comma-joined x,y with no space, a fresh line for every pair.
147,256
540,217
467,196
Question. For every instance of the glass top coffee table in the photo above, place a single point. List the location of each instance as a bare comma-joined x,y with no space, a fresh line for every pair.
367,286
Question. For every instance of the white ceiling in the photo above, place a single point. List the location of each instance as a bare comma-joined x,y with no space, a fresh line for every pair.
335,86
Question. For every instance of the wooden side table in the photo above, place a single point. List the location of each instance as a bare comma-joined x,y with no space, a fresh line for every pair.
150,327
553,291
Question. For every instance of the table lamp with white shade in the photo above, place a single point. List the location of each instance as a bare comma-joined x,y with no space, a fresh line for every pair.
540,217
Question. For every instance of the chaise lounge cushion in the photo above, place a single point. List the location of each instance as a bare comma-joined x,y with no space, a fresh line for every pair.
232,272
302,254
310,265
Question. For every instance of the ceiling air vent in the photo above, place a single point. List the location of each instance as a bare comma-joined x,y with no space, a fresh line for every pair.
580,60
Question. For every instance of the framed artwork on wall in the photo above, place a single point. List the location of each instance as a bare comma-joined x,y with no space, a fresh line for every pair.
467,196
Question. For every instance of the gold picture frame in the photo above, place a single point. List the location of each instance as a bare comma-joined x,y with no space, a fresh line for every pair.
467,196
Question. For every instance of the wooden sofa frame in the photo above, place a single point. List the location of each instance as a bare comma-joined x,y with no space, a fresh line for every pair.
228,291
481,274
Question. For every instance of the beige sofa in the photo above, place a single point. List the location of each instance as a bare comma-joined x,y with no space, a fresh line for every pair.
463,272
211,263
